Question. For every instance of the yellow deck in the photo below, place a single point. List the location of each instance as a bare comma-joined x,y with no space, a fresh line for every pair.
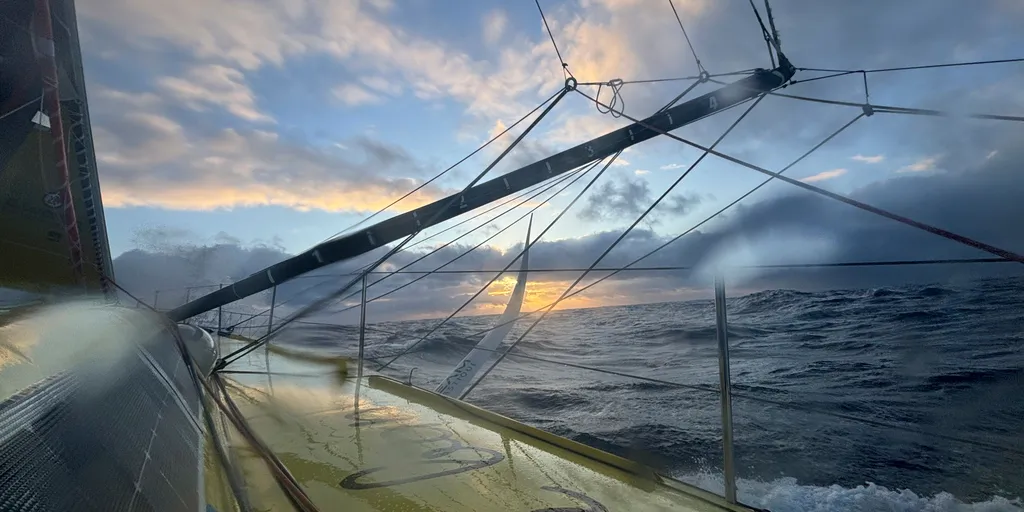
401,448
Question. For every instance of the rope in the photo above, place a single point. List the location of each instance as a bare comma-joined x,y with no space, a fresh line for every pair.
446,244
511,262
565,67
442,173
489,238
675,79
615,85
29,103
771,23
883,109
833,75
284,478
685,267
610,247
910,68
321,303
700,67
764,32
680,96
991,249
302,292
677,237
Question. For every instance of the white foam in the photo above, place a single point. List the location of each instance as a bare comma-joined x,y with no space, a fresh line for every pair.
786,495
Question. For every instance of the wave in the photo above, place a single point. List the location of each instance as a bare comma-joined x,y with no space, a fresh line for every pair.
767,300
965,378
786,495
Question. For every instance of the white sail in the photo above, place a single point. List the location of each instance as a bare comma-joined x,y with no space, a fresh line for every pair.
463,374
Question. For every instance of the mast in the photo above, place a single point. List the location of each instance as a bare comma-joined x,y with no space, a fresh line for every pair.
414,221
46,56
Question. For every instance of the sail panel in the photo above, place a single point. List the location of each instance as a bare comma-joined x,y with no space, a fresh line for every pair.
463,373
34,249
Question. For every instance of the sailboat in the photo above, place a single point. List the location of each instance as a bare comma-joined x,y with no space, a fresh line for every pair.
135,407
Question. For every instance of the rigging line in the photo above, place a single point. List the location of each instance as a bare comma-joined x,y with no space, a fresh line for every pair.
26,104
289,485
991,249
368,328
321,303
391,273
771,23
692,228
442,173
680,96
617,100
777,403
883,109
489,238
675,79
565,67
764,32
302,293
910,68
816,78
887,109
611,246
700,67
527,247
446,244
893,263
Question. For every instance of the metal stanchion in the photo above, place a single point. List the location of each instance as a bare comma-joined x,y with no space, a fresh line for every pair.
362,335
220,325
725,383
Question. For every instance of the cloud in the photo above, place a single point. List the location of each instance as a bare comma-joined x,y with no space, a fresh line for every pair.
225,31
824,175
215,85
149,159
626,198
670,167
868,159
641,172
616,199
922,165
494,26
382,85
354,95
790,228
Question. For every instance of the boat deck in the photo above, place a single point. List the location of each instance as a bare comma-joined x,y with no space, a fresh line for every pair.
401,448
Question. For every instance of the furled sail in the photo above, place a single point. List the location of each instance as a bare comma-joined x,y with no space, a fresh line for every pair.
459,379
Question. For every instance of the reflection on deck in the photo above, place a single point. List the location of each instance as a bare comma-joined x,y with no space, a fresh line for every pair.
397,447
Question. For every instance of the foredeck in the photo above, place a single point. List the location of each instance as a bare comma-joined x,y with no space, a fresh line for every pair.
400,448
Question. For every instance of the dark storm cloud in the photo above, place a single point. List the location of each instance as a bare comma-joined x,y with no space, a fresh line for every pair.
623,197
626,198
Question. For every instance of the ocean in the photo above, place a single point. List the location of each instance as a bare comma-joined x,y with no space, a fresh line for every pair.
904,398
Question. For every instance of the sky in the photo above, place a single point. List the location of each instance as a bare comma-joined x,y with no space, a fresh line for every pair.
230,134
